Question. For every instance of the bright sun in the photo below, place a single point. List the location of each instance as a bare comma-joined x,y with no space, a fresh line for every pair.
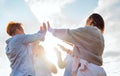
43,10
49,44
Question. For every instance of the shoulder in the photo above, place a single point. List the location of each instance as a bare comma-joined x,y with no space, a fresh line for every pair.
85,28
17,38
92,28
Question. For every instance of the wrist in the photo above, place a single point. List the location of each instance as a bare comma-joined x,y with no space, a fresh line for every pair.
50,29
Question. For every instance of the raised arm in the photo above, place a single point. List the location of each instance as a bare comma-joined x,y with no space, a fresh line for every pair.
37,36
61,63
68,51
68,35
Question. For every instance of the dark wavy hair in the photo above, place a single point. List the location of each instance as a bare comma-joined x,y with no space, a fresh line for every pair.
97,21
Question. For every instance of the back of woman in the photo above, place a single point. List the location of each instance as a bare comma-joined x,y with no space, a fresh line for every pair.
88,45
41,65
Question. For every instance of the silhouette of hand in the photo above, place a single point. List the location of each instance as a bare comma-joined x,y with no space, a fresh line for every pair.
43,28
49,27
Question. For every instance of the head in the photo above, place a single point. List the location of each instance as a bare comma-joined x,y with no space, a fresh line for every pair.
14,28
38,49
96,20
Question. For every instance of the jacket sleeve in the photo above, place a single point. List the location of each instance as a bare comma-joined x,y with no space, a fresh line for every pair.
69,35
29,38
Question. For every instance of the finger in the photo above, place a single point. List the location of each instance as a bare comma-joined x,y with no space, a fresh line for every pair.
40,27
48,24
62,47
44,26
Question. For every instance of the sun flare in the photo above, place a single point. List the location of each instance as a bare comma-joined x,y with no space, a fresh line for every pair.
49,44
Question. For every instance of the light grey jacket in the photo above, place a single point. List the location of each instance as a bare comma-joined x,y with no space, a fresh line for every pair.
19,52
88,42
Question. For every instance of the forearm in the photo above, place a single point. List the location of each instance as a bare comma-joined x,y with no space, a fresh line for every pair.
61,63
62,34
68,51
34,37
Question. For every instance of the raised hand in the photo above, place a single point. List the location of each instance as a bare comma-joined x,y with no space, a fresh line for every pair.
62,47
49,27
65,49
43,28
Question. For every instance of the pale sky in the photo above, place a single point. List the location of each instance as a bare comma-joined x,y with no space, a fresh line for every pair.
65,14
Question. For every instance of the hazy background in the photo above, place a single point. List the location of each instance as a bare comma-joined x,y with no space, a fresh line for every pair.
63,14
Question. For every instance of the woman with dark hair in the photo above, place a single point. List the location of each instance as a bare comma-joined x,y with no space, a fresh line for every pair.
96,20
88,47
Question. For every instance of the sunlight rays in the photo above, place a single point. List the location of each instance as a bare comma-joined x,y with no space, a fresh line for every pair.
49,44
